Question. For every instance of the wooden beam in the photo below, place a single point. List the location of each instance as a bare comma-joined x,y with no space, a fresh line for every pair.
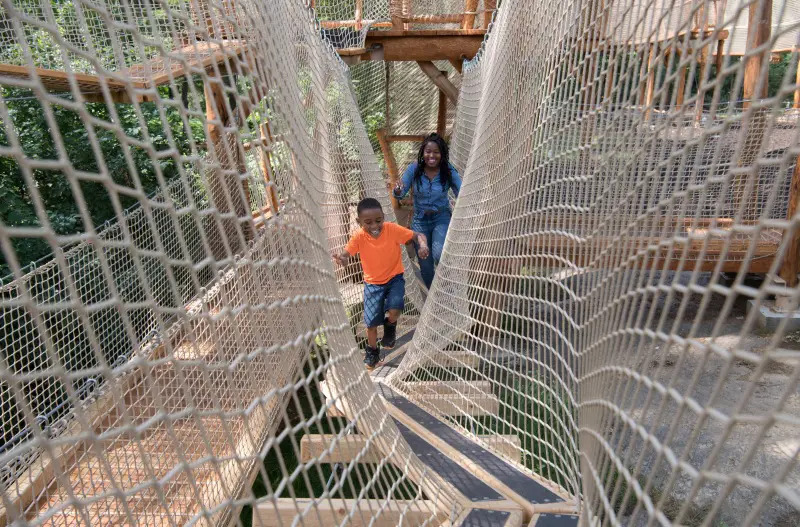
457,64
325,512
441,118
791,260
759,27
433,19
336,24
392,138
346,449
439,80
470,11
391,164
429,45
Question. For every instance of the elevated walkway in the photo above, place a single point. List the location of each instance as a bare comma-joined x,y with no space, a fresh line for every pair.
492,490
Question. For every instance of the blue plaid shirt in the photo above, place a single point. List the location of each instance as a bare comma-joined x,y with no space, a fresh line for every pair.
428,193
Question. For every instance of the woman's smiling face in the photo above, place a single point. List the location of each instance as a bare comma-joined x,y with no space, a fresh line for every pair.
432,155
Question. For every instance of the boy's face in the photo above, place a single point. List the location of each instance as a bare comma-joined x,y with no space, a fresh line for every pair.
371,220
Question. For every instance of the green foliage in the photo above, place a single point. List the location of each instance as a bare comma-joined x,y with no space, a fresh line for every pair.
129,164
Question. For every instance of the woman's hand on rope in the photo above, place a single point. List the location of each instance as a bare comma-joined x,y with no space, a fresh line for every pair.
398,188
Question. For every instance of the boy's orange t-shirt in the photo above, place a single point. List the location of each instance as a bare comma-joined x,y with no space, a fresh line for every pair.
380,257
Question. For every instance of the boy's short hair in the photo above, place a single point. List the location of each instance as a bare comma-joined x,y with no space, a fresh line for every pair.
368,204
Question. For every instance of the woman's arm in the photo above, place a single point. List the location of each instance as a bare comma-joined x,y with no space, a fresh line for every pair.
455,180
403,185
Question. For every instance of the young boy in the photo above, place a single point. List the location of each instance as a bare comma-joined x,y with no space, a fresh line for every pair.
378,242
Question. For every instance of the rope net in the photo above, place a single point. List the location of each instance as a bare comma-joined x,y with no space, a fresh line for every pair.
185,169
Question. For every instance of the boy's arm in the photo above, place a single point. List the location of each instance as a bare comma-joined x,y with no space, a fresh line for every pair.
341,258
422,245
350,250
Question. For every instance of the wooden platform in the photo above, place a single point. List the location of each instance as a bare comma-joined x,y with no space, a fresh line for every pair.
418,45
131,83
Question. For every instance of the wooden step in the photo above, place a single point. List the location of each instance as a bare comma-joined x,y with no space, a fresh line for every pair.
349,447
478,517
474,404
325,512
554,520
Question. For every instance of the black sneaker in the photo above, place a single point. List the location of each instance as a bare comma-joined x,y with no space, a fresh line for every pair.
389,334
372,357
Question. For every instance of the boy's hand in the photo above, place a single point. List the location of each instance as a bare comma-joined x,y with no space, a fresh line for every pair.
340,259
423,251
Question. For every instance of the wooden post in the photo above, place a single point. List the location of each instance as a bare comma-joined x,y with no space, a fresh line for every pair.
650,87
358,13
758,34
441,121
391,164
489,8
457,64
266,165
225,187
759,27
797,80
791,260
470,10
439,80
681,87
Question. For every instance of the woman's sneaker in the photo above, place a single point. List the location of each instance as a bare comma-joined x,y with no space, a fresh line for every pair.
372,357
389,334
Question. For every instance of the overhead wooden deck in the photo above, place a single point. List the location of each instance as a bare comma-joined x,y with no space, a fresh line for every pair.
134,83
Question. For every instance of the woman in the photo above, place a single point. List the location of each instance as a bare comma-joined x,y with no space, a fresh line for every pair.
431,177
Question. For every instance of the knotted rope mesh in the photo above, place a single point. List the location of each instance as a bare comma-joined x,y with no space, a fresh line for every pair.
590,308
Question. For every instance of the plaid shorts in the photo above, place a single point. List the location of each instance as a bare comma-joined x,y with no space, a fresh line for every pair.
378,299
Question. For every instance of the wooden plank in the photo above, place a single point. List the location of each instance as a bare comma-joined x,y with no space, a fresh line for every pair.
346,449
515,517
441,117
417,138
433,19
446,387
468,404
567,506
358,14
759,27
280,512
426,45
457,64
40,475
336,24
534,521
439,80
470,12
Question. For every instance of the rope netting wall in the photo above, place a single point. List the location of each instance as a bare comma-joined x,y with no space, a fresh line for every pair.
592,298
154,361
595,279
